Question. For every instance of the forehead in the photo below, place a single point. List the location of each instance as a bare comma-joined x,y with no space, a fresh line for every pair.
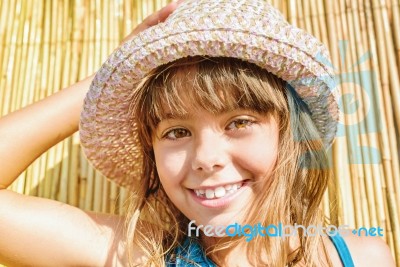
214,85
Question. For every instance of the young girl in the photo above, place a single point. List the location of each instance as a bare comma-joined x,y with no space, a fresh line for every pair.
218,117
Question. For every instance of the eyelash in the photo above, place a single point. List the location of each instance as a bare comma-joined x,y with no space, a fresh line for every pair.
165,136
248,123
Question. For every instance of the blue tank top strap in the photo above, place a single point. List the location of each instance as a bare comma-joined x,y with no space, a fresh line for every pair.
189,254
342,250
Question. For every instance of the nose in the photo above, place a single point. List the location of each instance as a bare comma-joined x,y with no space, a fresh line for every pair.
210,152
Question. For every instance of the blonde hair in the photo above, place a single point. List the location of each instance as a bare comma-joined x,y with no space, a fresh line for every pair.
299,179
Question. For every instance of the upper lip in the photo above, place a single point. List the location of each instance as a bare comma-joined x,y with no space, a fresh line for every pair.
218,185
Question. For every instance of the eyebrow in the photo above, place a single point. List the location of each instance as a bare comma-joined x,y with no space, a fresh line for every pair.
174,116
186,116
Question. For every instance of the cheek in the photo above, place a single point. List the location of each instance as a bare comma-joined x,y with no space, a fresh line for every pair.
170,165
259,155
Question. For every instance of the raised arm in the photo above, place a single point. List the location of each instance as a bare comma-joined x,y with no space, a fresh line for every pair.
31,131
28,133
43,232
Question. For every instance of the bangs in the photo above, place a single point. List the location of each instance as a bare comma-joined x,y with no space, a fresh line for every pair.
213,84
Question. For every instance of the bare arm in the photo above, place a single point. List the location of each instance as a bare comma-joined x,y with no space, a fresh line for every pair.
43,232
31,131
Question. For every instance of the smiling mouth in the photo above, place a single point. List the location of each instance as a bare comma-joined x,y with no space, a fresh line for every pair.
218,192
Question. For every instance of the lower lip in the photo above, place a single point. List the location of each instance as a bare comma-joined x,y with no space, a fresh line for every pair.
219,202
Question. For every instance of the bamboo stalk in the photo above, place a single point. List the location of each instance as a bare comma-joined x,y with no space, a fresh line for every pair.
78,22
35,177
284,8
84,57
115,27
38,25
113,199
122,200
28,180
28,56
323,22
20,183
5,15
105,208
83,182
50,165
97,36
138,14
52,47
315,23
105,35
292,12
73,187
98,191
90,188
55,179
91,39
127,18
306,16
15,86
45,51
42,175
300,15
64,175
396,29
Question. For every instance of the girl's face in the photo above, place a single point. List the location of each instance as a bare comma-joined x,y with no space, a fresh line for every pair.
209,165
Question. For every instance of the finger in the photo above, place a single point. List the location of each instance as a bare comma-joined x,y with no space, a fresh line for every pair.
157,17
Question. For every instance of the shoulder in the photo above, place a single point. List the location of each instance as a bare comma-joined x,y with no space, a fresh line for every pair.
369,250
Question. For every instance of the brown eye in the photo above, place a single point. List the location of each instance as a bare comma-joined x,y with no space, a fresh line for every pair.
239,124
177,133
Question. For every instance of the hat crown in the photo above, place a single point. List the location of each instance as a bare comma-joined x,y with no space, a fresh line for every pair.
220,13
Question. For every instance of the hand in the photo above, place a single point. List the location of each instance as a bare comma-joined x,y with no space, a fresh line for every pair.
155,18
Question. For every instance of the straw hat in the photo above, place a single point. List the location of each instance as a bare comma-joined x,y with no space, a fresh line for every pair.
250,30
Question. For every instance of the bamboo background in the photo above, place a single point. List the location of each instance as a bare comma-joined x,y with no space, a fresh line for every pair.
47,45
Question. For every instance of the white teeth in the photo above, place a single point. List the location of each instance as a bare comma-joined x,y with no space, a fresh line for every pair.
209,193
218,192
